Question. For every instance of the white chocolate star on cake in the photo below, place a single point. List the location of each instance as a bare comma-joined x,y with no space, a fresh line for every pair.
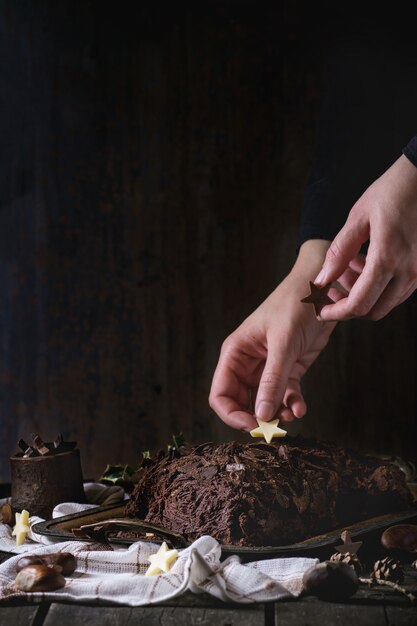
268,430
22,527
161,561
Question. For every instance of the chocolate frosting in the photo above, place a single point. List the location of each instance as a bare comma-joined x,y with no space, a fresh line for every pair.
258,494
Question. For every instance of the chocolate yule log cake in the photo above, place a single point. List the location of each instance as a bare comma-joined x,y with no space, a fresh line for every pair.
259,494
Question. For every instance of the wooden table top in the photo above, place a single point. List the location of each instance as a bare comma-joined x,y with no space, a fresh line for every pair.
379,606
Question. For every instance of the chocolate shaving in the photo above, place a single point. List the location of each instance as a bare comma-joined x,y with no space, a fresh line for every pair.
28,451
203,447
40,446
63,446
209,472
282,453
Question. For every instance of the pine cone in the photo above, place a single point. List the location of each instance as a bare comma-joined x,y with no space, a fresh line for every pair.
349,559
388,569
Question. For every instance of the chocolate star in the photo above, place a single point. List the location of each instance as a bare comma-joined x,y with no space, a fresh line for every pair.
348,546
161,561
267,430
318,297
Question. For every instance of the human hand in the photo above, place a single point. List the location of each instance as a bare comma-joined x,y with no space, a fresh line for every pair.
386,215
261,363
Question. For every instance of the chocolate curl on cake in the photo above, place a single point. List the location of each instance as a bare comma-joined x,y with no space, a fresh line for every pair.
281,496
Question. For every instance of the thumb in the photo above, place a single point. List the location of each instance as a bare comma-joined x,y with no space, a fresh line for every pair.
344,247
271,388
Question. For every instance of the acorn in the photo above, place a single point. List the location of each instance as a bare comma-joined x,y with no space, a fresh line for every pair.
400,537
65,560
331,580
39,578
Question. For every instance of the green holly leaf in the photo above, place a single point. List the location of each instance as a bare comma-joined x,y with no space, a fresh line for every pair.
116,473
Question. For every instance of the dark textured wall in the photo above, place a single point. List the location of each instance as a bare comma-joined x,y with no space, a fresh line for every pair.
152,165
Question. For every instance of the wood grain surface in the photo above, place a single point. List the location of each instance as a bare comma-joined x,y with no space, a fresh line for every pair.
152,169
375,606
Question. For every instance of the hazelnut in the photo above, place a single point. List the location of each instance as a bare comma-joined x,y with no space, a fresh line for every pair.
65,560
400,537
39,578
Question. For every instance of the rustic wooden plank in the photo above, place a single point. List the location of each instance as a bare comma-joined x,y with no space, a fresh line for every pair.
313,612
68,615
253,616
199,600
127,243
20,615
151,181
401,616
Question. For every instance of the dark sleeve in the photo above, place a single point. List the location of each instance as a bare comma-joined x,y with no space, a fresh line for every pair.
363,125
410,150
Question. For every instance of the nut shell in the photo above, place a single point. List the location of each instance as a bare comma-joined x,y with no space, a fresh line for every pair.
7,514
400,537
39,578
65,560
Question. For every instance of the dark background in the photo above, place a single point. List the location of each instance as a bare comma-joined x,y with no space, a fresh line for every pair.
152,168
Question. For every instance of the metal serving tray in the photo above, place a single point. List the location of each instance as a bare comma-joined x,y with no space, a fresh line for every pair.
101,524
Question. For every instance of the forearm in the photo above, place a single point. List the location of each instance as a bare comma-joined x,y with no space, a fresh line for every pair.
361,129
309,261
295,285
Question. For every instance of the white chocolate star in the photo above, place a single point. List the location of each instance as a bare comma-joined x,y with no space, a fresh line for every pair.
161,561
22,527
268,430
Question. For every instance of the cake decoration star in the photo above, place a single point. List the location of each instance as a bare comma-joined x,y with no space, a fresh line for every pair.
162,560
318,297
22,527
268,430
348,546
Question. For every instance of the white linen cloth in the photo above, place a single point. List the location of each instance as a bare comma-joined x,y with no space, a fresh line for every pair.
117,576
